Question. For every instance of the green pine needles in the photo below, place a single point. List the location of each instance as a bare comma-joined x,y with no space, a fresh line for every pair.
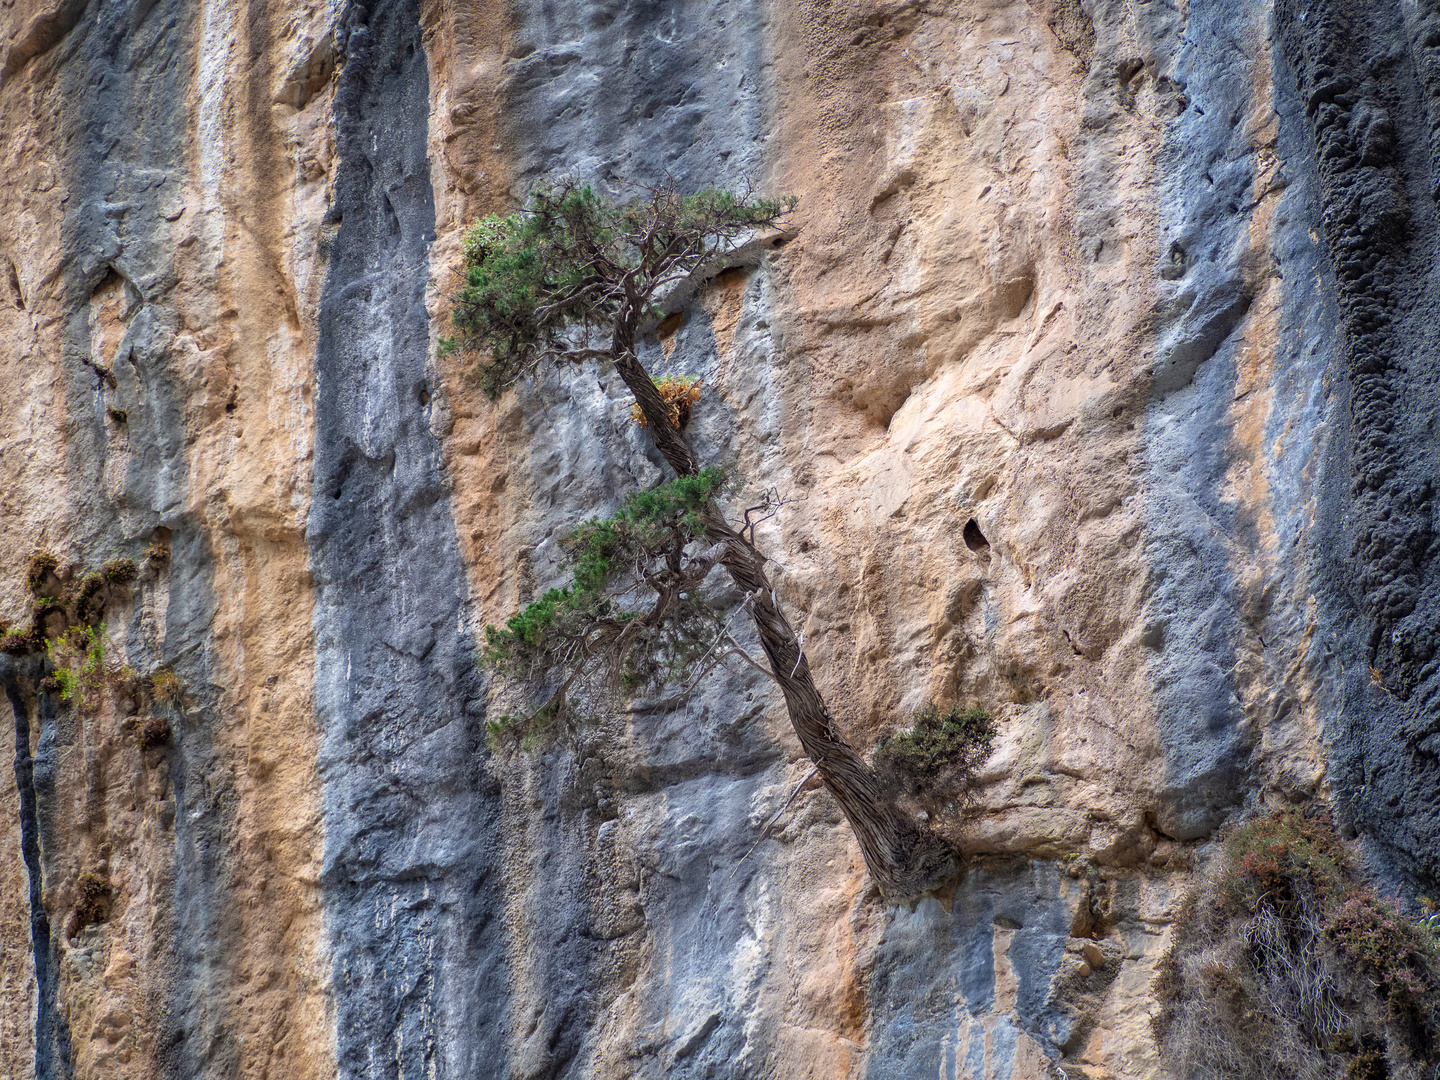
538,284
633,616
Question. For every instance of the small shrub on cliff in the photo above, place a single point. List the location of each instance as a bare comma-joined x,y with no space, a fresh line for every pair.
1285,964
71,672
940,754
79,667
164,686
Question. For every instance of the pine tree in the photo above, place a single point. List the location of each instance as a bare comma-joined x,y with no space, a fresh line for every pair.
571,278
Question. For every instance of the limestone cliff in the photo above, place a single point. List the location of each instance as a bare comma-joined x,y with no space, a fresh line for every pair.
1144,289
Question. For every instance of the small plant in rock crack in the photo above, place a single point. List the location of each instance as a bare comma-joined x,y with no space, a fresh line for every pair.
66,683
78,664
157,553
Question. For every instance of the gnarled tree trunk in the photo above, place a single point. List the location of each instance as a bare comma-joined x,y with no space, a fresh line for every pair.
904,858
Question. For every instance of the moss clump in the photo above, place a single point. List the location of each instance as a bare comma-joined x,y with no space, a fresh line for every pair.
66,607
90,598
120,571
43,565
1286,964
157,553
18,641
940,754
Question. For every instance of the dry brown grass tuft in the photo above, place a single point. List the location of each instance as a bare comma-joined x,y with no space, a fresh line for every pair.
1286,965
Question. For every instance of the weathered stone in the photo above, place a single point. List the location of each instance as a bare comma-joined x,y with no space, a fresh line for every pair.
1099,362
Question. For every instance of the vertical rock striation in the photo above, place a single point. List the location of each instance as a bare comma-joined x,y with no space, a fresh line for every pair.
1355,77
411,887
1101,357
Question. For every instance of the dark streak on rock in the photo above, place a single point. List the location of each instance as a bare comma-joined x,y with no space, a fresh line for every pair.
1422,21
52,1032
125,73
410,882
1375,169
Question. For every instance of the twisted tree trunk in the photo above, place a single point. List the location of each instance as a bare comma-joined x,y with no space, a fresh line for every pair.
903,858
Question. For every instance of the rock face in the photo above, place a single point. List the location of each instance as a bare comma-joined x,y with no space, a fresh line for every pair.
1101,364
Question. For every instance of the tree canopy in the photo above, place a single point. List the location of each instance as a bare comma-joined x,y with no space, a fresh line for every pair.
541,284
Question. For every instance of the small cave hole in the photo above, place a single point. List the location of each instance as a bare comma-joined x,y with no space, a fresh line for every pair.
234,394
974,538
17,295
111,284
422,392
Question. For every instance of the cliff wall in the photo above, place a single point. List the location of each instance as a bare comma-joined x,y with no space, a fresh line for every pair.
1141,288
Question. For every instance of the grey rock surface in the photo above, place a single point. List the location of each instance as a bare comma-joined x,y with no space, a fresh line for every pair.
661,894
413,894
